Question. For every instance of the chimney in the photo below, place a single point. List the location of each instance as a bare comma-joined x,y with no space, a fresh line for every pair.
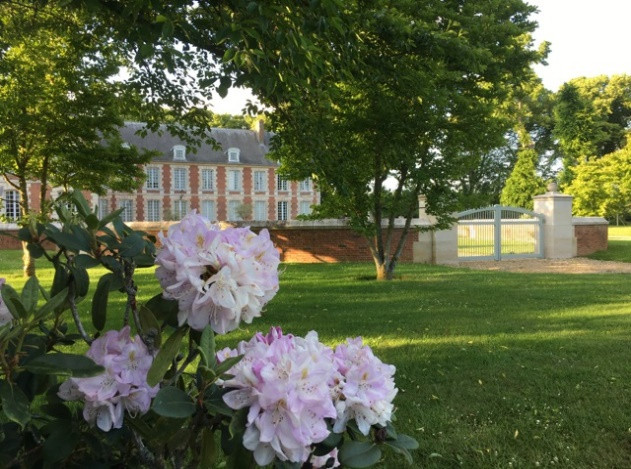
260,131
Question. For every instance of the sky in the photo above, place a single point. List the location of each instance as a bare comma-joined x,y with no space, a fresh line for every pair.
588,38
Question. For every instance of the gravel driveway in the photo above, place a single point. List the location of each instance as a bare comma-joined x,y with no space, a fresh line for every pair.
576,265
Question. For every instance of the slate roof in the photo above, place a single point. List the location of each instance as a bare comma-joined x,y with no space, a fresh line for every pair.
252,152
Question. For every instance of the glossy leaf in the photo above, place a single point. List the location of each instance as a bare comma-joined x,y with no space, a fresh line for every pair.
99,302
356,454
150,326
207,346
165,357
15,404
67,364
173,402
132,245
30,294
52,304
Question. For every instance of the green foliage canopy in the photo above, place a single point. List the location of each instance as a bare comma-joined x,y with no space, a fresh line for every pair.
421,100
59,109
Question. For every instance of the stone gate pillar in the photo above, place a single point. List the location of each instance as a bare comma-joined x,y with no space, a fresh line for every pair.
559,241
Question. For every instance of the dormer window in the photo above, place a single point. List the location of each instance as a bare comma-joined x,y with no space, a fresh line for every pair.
233,155
179,153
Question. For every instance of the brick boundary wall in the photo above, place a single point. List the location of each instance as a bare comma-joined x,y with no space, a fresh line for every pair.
322,244
591,235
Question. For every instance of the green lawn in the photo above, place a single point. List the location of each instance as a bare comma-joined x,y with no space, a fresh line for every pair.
619,248
494,369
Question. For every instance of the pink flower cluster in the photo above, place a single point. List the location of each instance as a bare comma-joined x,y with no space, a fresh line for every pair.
123,385
5,314
293,386
219,277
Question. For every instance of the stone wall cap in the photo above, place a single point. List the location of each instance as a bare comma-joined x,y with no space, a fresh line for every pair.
589,221
281,225
555,195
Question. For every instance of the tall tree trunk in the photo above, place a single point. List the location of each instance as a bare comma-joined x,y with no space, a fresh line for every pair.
384,270
28,263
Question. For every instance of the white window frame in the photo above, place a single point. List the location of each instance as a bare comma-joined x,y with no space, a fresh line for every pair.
179,153
233,155
282,184
260,181
282,210
12,205
260,214
103,205
207,176
152,214
153,177
180,209
239,182
128,214
210,214
304,207
177,181
233,205
305,185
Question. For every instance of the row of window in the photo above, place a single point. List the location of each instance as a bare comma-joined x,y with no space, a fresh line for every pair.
208,176
236,210
179,153
11,203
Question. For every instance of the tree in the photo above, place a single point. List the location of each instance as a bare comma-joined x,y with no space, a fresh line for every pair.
592,116
523,182
422,99
59,110
602,187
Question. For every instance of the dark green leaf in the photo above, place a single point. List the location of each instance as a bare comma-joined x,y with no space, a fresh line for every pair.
207,346
165,357
85,261
52,304
92,221
238,422
330,442
79,201
15,404
24,234
162,308
404,441
60,281
67,240
227,364
8,294
110,217
99,302
81,280
397,449
209,450
150,326
66,364
15,306
30,294
145,260
356,454
35,250
173,402
61,442
132,245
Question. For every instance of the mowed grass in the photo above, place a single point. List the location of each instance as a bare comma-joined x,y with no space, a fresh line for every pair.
619,245
494,369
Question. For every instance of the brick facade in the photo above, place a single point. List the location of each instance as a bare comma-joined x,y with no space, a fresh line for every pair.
590,238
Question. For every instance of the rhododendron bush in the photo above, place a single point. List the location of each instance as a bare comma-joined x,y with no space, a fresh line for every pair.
151,390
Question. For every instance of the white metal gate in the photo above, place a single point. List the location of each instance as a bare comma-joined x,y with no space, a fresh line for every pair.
499,232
